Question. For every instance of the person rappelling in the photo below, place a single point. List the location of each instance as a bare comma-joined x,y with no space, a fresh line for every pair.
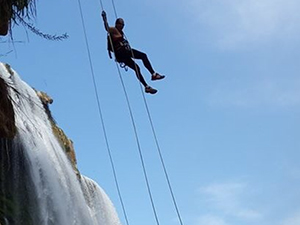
125,54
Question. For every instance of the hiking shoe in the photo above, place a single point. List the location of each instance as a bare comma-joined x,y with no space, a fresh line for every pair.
157,76
150,90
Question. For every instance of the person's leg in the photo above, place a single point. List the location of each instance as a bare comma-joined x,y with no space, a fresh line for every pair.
141,55
131,64
125,57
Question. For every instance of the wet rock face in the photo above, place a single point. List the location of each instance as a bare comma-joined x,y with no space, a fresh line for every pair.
7,117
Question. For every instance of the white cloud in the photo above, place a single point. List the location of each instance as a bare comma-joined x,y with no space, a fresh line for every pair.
293,220
267,92
210,220
227,198
232,203
240,23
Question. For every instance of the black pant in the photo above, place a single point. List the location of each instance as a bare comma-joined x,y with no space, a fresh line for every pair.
125,56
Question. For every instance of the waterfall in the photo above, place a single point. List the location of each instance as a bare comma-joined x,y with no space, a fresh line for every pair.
44,188
99,203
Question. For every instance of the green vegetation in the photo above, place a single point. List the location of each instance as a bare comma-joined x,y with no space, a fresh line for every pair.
20,12
64,141
14,11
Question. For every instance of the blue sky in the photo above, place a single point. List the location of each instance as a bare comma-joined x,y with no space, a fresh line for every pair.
226,116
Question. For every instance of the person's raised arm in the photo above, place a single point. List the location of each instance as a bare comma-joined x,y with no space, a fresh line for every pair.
103,14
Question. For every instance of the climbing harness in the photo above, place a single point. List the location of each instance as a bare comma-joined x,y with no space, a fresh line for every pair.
124,66
122,46
110,50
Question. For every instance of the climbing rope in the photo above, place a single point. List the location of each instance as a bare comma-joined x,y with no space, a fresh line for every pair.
135,130
162,161
101,115
154,135
138,146
114,6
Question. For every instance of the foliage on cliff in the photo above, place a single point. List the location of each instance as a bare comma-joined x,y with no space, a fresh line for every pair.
21,12
13,11
64,141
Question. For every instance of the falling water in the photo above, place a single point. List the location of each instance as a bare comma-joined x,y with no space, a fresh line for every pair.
45,189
